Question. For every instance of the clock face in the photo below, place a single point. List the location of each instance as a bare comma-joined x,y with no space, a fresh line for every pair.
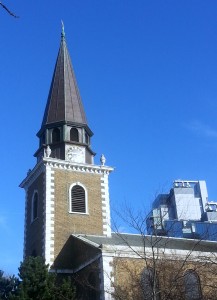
75,154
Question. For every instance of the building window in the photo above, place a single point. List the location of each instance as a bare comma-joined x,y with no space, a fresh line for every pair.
34,206
78,199
55,135
192,286
150,286
74,135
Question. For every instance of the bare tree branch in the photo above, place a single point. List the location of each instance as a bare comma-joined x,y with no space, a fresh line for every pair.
10,12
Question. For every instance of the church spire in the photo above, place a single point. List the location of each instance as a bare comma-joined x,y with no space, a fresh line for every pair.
64,120
64,102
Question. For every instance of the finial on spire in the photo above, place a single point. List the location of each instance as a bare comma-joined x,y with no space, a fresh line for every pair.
63,31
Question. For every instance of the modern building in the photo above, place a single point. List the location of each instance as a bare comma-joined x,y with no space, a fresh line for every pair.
67,209
184,212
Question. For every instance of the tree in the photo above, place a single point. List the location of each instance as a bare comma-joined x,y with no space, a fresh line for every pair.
38,284
66,290
8,286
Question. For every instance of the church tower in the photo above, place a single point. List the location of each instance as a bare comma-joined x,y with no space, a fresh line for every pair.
66,193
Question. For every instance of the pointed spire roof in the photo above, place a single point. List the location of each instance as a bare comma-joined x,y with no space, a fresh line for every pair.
64,102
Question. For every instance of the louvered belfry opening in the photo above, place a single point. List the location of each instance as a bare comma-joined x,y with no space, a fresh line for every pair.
55,135
78,199
74,135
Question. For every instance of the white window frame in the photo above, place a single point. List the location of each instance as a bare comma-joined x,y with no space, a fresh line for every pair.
32,206
86,199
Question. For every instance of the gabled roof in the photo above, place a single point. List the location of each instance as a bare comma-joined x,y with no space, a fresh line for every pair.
64,102
138,240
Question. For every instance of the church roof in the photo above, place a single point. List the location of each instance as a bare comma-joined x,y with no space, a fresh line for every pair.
64,102
137,240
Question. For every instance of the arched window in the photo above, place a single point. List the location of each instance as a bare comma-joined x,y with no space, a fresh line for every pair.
150,286
55,135
78,199
35,206
74,135
192,286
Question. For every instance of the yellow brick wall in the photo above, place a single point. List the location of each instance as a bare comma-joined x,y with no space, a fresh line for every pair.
34,230
67,223
170,273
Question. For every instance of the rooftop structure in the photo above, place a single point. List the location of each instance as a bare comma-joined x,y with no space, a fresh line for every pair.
184,212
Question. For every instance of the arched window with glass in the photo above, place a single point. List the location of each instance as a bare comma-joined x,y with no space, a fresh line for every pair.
192,285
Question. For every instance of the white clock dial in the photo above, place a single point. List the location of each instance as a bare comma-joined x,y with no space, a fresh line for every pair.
75,154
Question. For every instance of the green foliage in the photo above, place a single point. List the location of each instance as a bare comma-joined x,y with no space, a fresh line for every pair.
38,284
66,290
8,286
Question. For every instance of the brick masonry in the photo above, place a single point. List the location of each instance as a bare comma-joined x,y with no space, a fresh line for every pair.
34,230
170,276
67,223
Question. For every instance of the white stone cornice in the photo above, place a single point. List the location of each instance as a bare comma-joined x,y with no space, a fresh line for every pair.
32,175
63,165
72,166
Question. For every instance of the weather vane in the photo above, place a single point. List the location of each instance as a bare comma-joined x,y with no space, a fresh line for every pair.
63,31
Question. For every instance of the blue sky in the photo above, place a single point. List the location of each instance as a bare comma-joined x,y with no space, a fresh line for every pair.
147,74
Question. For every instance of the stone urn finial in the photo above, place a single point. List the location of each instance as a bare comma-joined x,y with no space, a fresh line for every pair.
47,151
102,160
